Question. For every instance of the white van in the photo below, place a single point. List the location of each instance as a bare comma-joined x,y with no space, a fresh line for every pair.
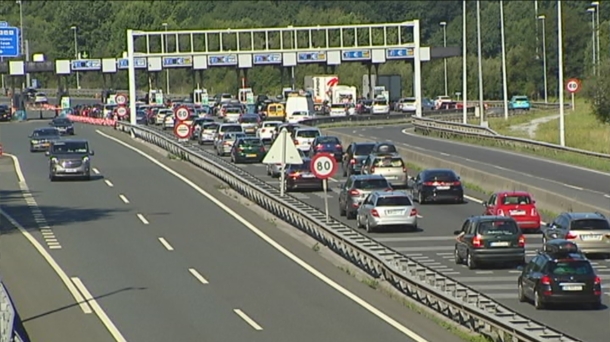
297,103
297,117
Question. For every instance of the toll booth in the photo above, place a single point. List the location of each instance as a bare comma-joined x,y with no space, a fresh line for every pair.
201,97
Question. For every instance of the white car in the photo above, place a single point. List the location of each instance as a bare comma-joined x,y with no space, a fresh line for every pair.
161,114
303,137
208,132
338,110
297,117
409,104
380,106
40,98
267,129
168,121
232,114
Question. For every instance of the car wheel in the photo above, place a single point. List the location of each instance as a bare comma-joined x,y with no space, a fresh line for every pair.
368,227
349,214
358,224
538,304
420,198
470,263
342,211
344,172
521,294
596,306
460,200
269,172
456,257
52,178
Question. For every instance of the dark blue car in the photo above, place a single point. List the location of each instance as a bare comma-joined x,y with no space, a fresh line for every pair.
327,144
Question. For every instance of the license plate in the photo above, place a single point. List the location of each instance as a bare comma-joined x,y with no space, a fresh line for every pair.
309,176
517,212
444,187
591,237
572,288
500,244
71,170
390,177
394,212
251,155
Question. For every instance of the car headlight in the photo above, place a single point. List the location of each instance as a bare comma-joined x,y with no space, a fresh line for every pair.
85,159
34,141
54,160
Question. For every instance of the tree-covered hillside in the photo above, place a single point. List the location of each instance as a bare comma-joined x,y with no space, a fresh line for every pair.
102,24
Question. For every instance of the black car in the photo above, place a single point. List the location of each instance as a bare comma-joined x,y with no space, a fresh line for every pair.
437,185
5,113
327,144
355,154
300,177
289,127
560,274
63,125
489,240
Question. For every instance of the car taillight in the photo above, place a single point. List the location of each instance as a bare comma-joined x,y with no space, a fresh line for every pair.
456,183
546,281
534,212
374,213
413,212
521,241
388,189
373,169
296,142
294,174
262,149
339,147
263,130
404,169
354,193
477,242
597,286
319,147
429,184
352,162
500,212
571,236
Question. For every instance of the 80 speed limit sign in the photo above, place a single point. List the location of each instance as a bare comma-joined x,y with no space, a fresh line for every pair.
323,165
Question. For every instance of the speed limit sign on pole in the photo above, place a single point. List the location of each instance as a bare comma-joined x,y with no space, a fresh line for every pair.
121,111
120,99
573,85
182,113
323,165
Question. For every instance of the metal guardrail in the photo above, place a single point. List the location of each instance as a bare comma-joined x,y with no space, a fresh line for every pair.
7,316
454,300
534,105
426,126
96,93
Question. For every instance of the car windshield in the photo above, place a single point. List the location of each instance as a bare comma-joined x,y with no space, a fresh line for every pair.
386,148
364,149
249,119
366,184
211,127
328,140
516,200
521,98
62,122
251,143
234,136
71,147
234,128
381,103
503,227
389,162
300,168
440,176
45,133
308,133
574,267
590,224
394,201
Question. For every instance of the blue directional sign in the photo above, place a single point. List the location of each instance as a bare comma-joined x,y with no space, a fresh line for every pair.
86,64
356,55
222,60
311,57
400,53
139,62
177,62
268,58
9,41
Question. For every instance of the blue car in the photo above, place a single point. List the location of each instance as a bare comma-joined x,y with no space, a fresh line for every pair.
519,102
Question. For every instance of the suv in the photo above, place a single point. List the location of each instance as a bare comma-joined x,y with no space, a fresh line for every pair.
355,154
591,231
387,209
70,159
489,239
560,274
391,166
355,189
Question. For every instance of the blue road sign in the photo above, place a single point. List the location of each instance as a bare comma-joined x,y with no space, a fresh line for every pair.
139,62
3,24
9,41
177,62
311,57
399,53
356,55
86,64
222,60
268,58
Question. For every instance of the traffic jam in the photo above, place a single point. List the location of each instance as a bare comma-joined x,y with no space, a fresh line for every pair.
378,193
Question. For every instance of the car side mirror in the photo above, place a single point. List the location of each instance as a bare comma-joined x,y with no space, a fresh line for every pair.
485,204
47,153
457,232
91,153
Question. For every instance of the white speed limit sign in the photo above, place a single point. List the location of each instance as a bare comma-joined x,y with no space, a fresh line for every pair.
573,85
182,113
121,111
323,165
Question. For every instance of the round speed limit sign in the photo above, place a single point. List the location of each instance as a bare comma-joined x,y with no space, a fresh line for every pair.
182,113
323,165
573,85
121,111
120,99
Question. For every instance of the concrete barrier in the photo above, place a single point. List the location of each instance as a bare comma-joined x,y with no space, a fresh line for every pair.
92,121
546,200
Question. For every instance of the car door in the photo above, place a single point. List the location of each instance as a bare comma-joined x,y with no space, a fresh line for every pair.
491,206
347,157
460,243
343,191
418,184
366,165
527,280
365,208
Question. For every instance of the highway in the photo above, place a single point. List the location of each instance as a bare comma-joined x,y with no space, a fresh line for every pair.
433,246
585,185
161,262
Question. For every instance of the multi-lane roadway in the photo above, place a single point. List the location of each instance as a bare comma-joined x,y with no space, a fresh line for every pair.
155,259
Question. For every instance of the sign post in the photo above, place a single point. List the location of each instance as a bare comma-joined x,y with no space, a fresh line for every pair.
324,166
573,86
282,152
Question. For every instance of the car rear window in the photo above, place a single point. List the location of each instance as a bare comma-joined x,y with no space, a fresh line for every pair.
517,200
590,224
366,184
328,140
394,201
380,103
389,162
251,142
521,98
210,126
232,128
300,168
249,119
362,150
573,267
440,176
498,228
308,134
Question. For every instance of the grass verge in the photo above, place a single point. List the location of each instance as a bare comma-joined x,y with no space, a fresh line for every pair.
365,123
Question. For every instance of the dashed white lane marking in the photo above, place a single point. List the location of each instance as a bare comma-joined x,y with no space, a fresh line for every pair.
96,171
607,196
248,320
445,154
124,199
166,244
143,219
109,183
573,187
198,276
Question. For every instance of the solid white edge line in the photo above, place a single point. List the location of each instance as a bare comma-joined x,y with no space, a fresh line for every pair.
124,199
166,244
99,311
87,309
142,218
248,320
109,183
364,304
198,276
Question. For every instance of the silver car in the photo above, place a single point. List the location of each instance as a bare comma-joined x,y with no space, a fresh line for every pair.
387,209
590,231
355,190
391,166
223,146
41,138
275,170
69,159
207,132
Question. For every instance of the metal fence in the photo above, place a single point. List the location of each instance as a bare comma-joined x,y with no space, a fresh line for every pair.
456,301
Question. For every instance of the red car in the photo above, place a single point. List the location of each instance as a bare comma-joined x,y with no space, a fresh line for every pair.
517,204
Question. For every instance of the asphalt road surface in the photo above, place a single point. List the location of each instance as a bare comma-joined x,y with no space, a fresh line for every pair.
165,263
433,245
585,185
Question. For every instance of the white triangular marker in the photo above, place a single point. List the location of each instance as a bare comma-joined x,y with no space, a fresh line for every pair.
284,147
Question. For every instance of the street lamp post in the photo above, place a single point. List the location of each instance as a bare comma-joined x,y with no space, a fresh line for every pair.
597,31
444,25
593,44
464,66
480,61
504,77
75,29
546,92
22,43
562,127
166,51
